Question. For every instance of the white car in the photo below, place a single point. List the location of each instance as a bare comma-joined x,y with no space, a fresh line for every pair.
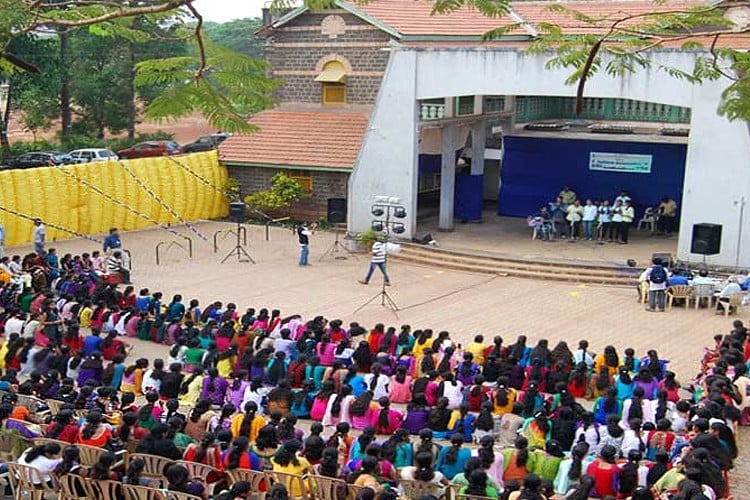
92,155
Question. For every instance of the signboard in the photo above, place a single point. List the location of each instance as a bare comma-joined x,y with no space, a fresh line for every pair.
620,162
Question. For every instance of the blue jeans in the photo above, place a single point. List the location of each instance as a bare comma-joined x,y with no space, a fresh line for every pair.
38,247
304,251
655,296
373,266
588,229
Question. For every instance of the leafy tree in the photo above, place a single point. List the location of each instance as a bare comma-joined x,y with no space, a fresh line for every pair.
283,192
237,35
213,81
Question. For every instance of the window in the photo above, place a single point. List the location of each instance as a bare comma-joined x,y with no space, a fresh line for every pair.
333,80
304,178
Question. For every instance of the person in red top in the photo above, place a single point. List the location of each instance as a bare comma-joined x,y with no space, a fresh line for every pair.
127,299
93,432
375,338
62,428
386,421
579,381
207,452
605,472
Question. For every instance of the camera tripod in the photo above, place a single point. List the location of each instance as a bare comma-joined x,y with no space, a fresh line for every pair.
336,249
242,255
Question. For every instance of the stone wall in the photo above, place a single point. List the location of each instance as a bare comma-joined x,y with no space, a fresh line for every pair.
324,185
297,49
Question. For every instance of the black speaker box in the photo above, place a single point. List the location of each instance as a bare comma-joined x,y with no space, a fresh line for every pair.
237,211
666,258
422,238
336,210
706,239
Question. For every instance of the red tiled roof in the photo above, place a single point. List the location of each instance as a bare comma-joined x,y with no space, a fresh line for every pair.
299,138
414,17
604,12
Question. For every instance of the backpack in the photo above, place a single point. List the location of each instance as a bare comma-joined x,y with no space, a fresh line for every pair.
658,275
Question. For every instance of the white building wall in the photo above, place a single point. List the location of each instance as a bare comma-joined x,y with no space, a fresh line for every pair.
718,164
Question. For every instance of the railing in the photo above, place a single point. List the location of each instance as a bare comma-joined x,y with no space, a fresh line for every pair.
532,108
177,242
430,111
240,233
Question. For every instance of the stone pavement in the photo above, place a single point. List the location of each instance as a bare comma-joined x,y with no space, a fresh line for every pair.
462,303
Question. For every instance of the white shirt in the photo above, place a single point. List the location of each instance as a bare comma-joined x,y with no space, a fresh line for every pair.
730,289
605,214
149,383
589,212
43,464
632,442
622,198
15,267
578,356
381,387
13,325
40,234
656,286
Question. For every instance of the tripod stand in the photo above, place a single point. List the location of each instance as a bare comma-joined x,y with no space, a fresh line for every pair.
385,300
336,248
239,250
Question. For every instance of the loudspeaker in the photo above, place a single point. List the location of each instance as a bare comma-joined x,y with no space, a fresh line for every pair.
422,238
666,258
706,239
336,210
237,211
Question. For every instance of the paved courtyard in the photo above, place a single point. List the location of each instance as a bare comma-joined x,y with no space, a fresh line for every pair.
462,303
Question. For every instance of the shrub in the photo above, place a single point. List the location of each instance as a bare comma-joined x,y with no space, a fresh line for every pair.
283,192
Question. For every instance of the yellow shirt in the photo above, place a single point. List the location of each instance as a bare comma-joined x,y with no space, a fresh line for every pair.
477,351
502,410
85,317
418,348
225,367
255,426
290,468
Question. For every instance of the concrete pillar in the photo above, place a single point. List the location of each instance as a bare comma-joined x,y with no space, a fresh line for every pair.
450,106
447,178
478,104
509,103
478,139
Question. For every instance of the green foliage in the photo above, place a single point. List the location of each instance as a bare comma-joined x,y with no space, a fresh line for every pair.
84,141
283,192
237,35
229,87
369,236
231,189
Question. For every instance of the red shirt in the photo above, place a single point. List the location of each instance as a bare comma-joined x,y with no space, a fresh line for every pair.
605,477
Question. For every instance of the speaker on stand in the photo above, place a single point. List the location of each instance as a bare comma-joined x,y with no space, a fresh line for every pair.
706,240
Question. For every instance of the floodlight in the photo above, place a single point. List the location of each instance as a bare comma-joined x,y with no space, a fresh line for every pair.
399,212
377,225
377,210
399,228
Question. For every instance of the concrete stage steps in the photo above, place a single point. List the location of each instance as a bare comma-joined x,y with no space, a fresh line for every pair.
487,263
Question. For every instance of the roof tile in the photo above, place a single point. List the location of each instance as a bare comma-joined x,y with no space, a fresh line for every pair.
300,138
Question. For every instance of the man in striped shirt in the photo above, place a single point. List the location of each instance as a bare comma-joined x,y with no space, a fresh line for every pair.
377,260
115,266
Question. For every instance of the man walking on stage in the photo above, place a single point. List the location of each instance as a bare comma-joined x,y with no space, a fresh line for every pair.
378,260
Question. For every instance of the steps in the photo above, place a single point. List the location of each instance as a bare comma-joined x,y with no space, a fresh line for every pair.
478,262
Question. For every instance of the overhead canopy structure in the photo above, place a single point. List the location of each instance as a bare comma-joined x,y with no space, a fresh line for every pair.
333,72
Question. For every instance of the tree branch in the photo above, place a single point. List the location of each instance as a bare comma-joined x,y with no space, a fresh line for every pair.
199,38
119,13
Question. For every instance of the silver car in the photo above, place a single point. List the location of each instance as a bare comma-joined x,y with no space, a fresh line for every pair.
91,155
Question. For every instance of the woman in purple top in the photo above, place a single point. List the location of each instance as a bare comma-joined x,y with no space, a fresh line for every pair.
237,388
179,480
467,370
417,414
214,388
646,380
91,369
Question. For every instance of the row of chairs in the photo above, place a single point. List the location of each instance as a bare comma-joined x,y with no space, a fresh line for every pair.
697,294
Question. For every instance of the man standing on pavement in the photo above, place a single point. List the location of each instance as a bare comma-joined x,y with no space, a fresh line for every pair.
657,277
304,233
112,241
378,260
40,236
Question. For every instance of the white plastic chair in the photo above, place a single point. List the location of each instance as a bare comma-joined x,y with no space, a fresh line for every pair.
648,219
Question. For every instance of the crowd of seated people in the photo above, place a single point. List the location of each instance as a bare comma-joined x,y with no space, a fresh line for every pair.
380,407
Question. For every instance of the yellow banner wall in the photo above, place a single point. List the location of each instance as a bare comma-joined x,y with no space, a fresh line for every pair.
59,199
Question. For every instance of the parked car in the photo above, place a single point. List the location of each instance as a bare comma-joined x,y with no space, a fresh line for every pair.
39,159
90,155
149,149
205,143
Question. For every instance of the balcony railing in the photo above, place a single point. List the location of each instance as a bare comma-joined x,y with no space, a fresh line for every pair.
431,111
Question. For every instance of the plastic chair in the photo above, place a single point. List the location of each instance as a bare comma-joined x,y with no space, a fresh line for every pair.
89,455
703,291
643,290
734,304
679,292
134,492
257,480
200,472
328,488
648,219
27,482
415,489
352,491
74,487
106,490
289,481
178,495
12,444
154,464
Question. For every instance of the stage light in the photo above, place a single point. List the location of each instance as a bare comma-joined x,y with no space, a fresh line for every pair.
377,226
377,211
399,212
399,228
